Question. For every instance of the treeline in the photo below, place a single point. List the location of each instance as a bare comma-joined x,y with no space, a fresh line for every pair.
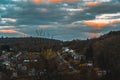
30,44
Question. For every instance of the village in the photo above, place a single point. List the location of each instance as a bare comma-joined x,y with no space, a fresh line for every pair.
32,66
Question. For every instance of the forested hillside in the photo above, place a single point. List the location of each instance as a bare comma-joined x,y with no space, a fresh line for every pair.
105,51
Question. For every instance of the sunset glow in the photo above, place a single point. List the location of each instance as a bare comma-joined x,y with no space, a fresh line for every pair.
100,24
93,4
96,25
8,31
54,1
93,35
38,1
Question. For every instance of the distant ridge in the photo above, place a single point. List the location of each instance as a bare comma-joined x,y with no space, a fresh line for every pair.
30,43
37,44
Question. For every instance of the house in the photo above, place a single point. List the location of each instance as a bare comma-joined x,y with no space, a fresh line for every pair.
71,51
66,50
101,73
78,58
90,63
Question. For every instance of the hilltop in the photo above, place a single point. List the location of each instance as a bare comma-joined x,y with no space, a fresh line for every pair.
31,43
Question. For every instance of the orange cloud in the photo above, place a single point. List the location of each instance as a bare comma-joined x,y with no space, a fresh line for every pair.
93,4
100,24
93,35
53,1
56,1
38,1
8,31
14,32
97,25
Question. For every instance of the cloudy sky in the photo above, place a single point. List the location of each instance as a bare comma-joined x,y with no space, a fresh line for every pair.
59,19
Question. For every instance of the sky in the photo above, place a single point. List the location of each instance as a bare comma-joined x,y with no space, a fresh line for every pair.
59,19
